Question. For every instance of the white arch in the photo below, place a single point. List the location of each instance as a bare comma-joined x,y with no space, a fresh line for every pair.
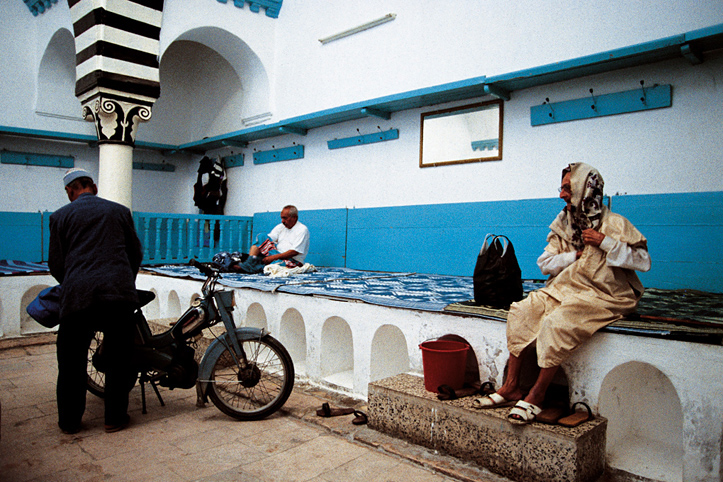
292,334
388,354
27,324
55,96
337,352
256,316
212,81
645,421
173,310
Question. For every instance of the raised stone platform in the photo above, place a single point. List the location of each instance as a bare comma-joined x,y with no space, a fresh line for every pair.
401,406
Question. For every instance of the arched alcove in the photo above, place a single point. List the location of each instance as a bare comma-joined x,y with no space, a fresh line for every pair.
56,79
255,316
27,323
292,334
337,352
235,91
389,355
152,311
174,305
645,422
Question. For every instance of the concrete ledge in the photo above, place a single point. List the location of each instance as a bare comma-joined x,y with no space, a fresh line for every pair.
401,406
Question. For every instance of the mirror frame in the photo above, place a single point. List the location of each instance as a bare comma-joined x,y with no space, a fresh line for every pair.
450,111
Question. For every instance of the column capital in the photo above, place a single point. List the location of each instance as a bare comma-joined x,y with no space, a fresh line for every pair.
116,121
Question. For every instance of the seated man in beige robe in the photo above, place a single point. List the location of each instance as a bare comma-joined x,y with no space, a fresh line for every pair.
590,257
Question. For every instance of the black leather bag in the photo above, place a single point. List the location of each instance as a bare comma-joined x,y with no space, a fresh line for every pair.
497,275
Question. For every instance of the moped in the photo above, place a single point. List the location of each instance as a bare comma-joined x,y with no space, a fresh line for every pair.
245,372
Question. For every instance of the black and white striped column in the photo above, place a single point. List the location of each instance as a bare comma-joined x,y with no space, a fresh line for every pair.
117,80
117,48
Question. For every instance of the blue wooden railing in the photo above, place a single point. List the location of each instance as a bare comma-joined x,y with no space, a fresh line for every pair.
176,238
166,238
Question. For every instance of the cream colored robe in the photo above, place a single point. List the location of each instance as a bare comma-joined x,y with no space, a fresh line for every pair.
584,297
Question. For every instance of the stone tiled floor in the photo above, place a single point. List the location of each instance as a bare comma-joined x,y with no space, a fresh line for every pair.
180,442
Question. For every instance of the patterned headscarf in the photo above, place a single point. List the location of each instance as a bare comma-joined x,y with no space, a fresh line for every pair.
586,206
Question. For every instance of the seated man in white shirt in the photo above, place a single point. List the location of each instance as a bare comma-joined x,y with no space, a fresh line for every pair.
290,239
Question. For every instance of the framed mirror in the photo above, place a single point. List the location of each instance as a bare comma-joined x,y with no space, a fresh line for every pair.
469,133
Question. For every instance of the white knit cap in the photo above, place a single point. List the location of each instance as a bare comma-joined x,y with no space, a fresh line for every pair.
75,173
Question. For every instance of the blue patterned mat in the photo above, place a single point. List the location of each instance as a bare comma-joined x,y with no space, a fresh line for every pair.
427,292
10,267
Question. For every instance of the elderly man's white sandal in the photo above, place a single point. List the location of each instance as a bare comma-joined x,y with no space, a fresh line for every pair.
493,400
523,413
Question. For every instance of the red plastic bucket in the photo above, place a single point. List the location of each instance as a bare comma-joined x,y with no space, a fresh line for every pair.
444,363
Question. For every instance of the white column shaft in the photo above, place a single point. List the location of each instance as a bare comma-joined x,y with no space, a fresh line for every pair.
115,173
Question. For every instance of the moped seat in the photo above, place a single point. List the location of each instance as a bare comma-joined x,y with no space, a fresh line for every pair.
145,297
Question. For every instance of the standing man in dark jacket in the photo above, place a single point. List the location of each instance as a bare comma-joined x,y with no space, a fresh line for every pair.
95,255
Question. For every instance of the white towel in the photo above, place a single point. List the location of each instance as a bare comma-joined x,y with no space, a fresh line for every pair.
281,271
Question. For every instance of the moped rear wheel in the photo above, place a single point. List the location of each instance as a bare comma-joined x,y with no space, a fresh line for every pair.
258,390
96,372
96,378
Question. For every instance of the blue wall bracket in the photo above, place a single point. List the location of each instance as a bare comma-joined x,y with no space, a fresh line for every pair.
496,91
376,113
232,143
235,160
389,135
644,98
272,7
293,130
150,166
284,154
29,159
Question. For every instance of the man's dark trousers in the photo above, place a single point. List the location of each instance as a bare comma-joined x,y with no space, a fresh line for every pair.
74,336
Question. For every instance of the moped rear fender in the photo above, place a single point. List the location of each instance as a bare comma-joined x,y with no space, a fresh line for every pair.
217,347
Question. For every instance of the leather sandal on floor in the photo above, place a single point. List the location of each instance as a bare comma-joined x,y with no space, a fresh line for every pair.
523,413
327,411
360,418
445,392
576,418
551,415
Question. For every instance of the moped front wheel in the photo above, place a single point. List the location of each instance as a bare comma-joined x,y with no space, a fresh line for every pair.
259,389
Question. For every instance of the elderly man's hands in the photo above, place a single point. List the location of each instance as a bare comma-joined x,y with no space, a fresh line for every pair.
592,238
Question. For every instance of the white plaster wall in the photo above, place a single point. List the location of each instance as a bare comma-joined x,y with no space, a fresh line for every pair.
37,188
676,149
432,42
679,149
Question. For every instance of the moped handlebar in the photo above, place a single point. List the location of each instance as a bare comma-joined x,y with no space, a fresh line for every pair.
203,268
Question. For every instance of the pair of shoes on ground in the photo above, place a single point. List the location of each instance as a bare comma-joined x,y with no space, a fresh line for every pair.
360,418
112,428
524,413
70,430
445,392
